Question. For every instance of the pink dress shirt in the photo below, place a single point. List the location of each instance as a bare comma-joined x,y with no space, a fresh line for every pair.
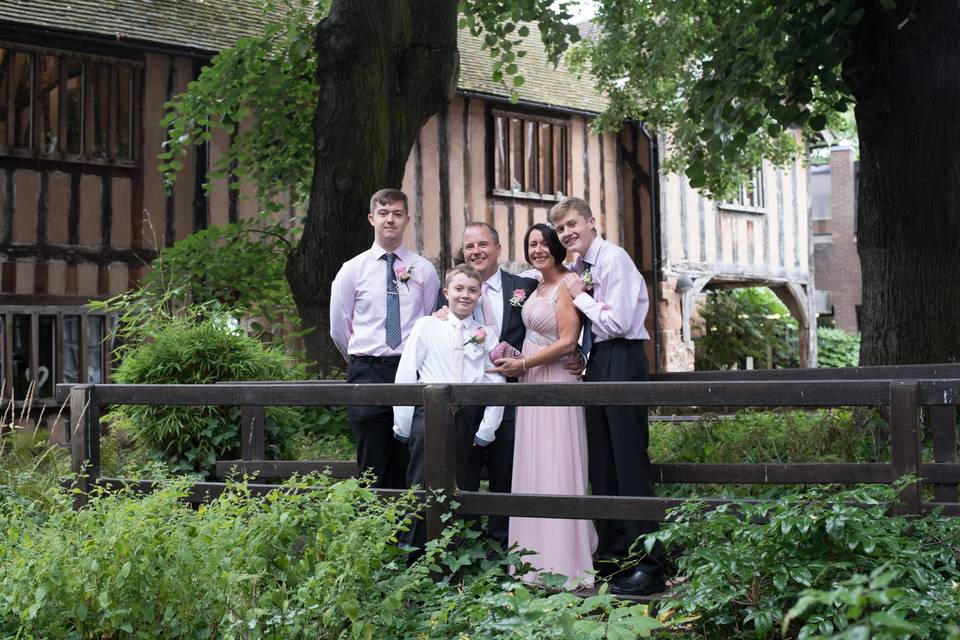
358,301
618,307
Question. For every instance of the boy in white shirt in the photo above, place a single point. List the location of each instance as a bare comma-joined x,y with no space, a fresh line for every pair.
452,350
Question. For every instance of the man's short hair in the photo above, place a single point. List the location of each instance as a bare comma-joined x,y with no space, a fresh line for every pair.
489,227
465,269
386,196
577,205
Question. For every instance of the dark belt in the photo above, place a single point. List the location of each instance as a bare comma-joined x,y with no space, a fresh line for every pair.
609,344
375,359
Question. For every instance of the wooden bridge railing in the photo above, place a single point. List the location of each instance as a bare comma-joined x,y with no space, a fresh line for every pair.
903,398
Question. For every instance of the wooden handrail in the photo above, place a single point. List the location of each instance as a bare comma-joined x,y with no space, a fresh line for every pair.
903,398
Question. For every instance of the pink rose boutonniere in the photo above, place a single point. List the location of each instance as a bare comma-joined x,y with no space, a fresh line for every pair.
587,279
477,338
519,297
403,275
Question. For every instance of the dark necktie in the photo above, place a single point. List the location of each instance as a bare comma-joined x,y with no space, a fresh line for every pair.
587,342
393,305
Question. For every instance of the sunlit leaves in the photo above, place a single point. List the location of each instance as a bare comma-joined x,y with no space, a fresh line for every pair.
746,73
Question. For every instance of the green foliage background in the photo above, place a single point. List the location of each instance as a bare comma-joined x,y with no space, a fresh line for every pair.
738,323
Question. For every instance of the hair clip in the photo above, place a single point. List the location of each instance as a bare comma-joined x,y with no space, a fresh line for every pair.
550,224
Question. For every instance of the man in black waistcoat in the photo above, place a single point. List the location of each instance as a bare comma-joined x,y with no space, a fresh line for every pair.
501,300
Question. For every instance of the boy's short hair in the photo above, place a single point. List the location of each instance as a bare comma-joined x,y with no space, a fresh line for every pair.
386,196
577,205
466,270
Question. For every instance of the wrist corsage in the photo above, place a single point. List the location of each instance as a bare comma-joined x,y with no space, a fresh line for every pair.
519,297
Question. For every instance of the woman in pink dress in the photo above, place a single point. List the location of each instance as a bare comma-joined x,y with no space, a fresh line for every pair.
550,450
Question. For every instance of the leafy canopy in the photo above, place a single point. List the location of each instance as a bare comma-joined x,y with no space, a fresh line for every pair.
263,91
731,81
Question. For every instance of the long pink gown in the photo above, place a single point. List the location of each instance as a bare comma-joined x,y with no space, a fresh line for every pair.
550,457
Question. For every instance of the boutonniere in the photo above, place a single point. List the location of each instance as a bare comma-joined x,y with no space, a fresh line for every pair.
519,297
587,279
478,338
403,275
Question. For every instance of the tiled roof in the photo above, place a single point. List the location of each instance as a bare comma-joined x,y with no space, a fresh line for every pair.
210,25
204,25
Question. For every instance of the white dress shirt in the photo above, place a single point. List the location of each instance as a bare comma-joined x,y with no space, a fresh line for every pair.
358,301
430,352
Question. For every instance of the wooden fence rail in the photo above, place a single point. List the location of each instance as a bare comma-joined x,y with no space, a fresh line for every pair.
877,387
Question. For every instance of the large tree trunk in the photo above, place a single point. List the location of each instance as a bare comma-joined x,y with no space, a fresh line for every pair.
904,78
385,67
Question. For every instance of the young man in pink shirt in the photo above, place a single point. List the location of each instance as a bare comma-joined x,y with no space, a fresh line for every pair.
612,294
375,300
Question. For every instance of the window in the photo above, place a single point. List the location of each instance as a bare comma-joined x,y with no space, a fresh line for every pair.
42,347
68,106
752,197
531,156
821,209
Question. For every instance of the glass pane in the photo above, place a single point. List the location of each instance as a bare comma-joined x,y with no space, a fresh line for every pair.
45,356
95,349
71,348
21,356
124,100
21,83
48,75
501,169
74,143
4,85
100,136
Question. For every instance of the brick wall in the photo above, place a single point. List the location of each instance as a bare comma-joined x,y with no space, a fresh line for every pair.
836,263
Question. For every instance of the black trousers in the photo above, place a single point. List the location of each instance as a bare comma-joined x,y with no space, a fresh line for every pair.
470,461
497,457
617,439
372,428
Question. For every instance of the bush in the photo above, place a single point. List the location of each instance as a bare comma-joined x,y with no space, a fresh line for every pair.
837,348
201,352
781,436
814,565
750,436
312,560
737,323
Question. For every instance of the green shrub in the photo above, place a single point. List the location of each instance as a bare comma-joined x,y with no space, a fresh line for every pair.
780,436
814,565
202,352
737,323
771,436
837,348
311,560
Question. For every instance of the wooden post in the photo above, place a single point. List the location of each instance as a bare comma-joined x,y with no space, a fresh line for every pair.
943,422
440,473
905,442
85,440
252,445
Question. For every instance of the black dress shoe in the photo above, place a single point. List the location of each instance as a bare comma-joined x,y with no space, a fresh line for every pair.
638,583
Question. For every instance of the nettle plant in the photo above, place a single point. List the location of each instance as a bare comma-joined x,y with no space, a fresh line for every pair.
819,564
313,559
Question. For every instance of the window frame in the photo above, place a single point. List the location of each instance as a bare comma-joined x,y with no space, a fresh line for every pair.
758,182
7,312
90,62
560,166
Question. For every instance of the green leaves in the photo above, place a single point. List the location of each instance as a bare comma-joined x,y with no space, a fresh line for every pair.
504,26
748,72
799,565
